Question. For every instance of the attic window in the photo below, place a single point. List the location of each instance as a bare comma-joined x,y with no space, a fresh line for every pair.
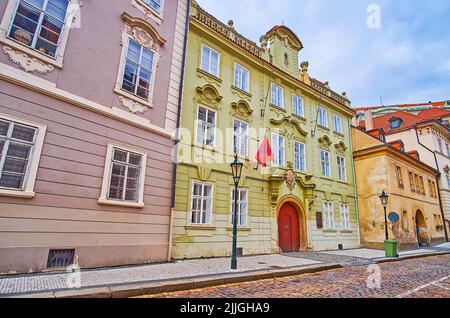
396,123
286,59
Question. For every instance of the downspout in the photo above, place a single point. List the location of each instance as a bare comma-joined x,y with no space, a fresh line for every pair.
354,184
437,182
177,132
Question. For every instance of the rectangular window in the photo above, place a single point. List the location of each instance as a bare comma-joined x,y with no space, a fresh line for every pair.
411,182
298,107
17,143
300,156
125,176
206,127
278,149
201,205
323,117
417,183
448,150
325,161
210,61
398,172
240,138
441,150
345,217
154,4
242,206
137,75
277,96
328,211
405,224
338,126
342,174
422,186
241,78
448,181
39,24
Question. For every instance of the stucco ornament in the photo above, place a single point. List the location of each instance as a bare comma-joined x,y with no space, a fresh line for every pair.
242,110
341,148
133,107
27,63
208,95
291,177
142,32
325,141
290,122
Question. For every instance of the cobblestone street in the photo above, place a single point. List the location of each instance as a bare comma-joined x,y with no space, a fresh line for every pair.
417,278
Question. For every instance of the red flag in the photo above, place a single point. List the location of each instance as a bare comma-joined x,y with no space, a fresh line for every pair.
264,154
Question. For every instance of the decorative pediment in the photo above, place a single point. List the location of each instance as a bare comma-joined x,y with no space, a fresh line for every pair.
287,35
27,63
325,141
208,95
242,109
289,121
341,148
142,32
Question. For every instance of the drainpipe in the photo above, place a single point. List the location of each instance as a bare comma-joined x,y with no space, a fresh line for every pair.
354,184
437,182
177,136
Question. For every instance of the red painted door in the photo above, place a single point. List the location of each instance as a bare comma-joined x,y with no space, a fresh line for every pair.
288,229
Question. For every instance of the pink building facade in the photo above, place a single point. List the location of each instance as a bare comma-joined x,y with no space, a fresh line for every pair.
89,102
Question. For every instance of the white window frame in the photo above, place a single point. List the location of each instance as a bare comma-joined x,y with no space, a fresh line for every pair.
322,151
237,73
295,106
345,217
297,161
338,128
104,200
279,94
342,168
240,137
210,60
239,207
145,8
56,61
276,148
27,190
209,214
208,110
328,213
322,111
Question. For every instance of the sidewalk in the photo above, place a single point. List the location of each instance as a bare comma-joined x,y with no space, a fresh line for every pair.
131,280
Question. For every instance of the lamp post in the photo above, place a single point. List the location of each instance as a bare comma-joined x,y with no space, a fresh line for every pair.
236,170
384,201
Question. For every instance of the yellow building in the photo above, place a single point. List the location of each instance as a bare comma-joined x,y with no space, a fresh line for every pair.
235,93
412,191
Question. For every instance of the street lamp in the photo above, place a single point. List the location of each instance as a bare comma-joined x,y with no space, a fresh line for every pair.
384,201
236,170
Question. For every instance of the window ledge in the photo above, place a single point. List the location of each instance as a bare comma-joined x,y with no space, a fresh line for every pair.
339,134
240,229
17,194
248,94
103,201
347,231
139,100
299,117
278,108
194,227
323,128
212,76
55,62
331,231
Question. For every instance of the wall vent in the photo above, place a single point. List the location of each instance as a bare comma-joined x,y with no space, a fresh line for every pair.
60,258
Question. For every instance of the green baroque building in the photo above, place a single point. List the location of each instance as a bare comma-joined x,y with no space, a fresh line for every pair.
235,93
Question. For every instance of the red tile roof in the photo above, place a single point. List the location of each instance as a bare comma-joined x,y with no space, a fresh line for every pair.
383,122
434,104
434,113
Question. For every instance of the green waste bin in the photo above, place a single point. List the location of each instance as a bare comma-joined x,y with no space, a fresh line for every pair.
390,248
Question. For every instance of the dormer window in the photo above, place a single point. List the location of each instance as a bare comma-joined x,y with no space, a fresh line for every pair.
39,24
396,123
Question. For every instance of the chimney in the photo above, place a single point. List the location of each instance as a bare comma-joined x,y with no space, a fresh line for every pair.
368,119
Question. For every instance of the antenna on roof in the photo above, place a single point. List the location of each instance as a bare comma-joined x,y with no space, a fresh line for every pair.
381,100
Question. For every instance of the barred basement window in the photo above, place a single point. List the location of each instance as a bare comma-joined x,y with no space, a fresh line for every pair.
39,24
60,258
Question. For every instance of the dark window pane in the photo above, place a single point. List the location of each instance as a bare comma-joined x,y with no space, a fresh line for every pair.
135,159
57,8
133,172
115,193
118,170
4,126
11,181
130,195
120,155
46,47
23,133
19,151
15,165
142,92
21,35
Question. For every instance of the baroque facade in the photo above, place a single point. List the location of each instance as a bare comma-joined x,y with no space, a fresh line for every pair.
237,92
89,99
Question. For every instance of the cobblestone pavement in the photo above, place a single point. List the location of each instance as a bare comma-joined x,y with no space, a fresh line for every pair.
344,260
417,278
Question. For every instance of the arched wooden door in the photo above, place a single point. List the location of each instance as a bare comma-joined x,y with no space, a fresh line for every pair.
288,229
421,228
